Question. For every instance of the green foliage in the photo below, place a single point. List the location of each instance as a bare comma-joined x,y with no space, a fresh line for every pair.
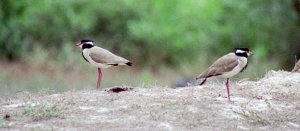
267,26
11,27
149,32
167,33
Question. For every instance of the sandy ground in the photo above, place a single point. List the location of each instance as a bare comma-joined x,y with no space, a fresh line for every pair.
271,103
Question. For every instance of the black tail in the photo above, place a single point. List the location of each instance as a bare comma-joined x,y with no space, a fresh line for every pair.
202,81
129,63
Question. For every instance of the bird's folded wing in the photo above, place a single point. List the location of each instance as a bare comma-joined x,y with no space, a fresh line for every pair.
222,65
103,56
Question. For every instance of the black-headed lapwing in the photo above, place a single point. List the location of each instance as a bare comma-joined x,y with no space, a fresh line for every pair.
227,66
100,57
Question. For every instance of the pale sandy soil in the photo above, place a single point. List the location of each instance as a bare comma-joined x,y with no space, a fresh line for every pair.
271,103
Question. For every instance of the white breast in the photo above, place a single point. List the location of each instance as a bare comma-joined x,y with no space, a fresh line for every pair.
242,63
86,54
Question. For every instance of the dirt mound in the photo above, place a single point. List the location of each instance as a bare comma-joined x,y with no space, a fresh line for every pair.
272,102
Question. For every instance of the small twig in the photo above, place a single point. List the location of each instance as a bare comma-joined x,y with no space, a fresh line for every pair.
297,65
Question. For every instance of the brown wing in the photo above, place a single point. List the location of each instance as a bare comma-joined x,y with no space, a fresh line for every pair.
103,56
223,64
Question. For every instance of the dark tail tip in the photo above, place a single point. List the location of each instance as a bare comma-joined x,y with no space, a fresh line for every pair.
129,63
202,81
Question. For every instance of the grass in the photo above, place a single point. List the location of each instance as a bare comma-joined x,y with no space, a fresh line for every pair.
69,71
42,112
36,109
39,109
22,77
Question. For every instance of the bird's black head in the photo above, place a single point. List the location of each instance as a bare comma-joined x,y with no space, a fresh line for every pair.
244,52
85,43
86,40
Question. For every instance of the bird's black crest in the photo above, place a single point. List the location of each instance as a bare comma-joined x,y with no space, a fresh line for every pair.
86,40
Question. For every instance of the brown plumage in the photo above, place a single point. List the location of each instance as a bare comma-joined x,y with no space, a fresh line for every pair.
100,58
227,66
103,56
222,65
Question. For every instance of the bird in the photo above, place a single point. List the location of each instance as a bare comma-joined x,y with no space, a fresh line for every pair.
227,66
99,57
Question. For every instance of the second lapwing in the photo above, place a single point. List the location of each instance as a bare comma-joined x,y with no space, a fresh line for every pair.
227,66
100,58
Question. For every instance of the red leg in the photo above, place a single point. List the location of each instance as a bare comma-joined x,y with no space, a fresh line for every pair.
227,86
99,78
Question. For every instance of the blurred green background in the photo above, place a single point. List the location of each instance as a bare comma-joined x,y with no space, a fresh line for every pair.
166,40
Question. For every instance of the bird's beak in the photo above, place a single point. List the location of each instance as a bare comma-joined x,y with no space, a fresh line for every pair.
78,44
250,53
